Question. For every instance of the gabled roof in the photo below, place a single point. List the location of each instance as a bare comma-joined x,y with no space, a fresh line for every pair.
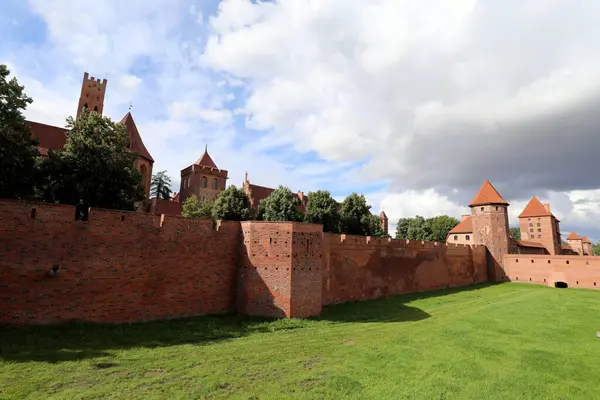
466,226
573,236
586,240
137,145
48,137
382,215
205,160
525,243
535,208
487,195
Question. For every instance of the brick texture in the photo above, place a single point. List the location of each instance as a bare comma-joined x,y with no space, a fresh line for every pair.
116,267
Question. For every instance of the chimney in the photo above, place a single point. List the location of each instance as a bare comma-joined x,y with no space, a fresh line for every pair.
547,207
465,216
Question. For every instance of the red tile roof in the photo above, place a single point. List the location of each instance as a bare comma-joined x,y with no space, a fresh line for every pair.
48,137
137,145
525,243
205,160
573,236
487,195
466,226
258,193
535,208
586,240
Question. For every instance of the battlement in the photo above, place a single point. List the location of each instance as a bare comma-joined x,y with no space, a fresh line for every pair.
90,79
204,168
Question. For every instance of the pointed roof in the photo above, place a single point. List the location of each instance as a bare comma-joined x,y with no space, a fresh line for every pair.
586,240
205,159
382,215
137,145
466,226
487,195
535,208
573,236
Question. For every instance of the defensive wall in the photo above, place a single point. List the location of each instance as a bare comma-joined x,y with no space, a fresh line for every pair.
126,266
576,271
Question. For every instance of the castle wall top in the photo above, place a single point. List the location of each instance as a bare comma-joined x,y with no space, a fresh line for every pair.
87,77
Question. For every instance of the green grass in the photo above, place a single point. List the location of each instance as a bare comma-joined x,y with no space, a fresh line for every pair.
504,341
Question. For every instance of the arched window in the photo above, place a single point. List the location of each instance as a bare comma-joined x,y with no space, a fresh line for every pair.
85,105
144,172
96,108
455,237
203,182
467,237
189,181
215,184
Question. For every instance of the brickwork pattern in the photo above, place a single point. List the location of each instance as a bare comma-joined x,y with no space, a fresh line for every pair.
115,267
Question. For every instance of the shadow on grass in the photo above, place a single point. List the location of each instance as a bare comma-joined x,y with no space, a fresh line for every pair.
78,341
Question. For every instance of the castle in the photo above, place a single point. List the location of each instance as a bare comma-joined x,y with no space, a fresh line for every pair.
91,97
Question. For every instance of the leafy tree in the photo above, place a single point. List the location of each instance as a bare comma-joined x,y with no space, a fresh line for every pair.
18,155
160,186
194,208
281,205
355,215
596,249
419,229
440,226
515,233
94,168
402,228
374,226
322,209
232,205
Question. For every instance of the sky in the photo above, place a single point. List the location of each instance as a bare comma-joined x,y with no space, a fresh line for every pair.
412,103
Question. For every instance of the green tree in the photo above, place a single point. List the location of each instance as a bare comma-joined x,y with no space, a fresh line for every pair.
232,205
402,228
281,205
440,226
596,249
374,226
18,156
515,233
419,229
160,186
355,215
94,167
194,208
321,208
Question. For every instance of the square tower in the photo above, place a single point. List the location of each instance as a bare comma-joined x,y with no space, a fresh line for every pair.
92,94
538,224
489,216
202,179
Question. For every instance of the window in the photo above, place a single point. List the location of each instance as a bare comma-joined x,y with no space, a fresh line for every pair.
531,224
215,184
96,108
467,237
455,237
189,182
539,236
538,224
531,230
532,236
482,208
203,182
539,230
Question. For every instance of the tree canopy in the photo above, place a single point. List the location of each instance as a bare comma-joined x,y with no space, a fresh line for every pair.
18,156
94,167
194,208
281,205
321,208
232,205
515,233
596,249
160,186
356,217
434,229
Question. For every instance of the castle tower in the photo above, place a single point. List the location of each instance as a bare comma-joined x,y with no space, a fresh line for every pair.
92,94
489,216
539,225
383,220
202,179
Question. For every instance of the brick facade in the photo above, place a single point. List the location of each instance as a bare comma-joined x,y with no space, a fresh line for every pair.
126,266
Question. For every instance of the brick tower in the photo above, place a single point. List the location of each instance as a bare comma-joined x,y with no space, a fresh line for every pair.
383,220
538,224
489,216
202,179
92,94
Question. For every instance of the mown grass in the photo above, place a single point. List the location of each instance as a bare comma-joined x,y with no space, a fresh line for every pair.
504,341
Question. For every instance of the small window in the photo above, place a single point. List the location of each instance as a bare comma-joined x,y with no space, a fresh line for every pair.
96,108
467,237
455,237
539,230
203,182
532,237
531,230
215,184
538,224
539,236
482,208
496,208
531,224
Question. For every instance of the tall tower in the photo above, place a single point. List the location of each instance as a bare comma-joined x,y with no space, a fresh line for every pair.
92,94
202,179
383,220
489,216
538,224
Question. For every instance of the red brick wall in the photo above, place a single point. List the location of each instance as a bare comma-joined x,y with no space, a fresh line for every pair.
361,268
116,267
576,271
307,270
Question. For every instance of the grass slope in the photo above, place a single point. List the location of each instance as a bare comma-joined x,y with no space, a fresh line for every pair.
495,342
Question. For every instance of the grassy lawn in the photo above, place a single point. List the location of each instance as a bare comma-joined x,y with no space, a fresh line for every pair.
502,341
